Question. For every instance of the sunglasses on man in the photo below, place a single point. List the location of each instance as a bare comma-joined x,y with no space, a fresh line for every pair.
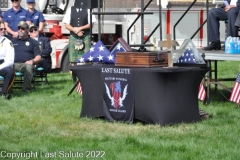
21,28
2,29
33,29
14,0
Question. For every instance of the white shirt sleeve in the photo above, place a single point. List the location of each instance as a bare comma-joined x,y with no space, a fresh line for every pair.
67,16
7,52
93,17
233,2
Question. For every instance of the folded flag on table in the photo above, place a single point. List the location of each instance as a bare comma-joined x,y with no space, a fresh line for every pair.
79,88
187,57
235,95
98,53
201,92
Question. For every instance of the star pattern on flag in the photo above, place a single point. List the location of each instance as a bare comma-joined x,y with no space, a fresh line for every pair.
187,57
98,53
81,59
90,58
92,49
119,46
110,57
101,48
100,57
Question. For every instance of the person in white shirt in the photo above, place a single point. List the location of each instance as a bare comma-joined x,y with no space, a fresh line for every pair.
6,62
228,12
77,21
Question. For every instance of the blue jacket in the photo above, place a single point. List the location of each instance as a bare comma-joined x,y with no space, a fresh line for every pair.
44,44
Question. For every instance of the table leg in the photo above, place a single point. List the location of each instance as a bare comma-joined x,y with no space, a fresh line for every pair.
209,77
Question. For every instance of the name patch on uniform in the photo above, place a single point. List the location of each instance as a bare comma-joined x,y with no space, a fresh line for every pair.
22,16
36,17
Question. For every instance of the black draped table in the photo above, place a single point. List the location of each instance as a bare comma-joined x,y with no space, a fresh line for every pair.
161,95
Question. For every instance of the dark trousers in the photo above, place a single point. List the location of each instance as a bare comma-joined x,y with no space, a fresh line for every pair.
8,75
218,14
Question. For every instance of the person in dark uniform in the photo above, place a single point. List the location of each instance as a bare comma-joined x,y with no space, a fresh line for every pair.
36,16
77,21
6,62
1,15
45,47
227,12
13,16
27,54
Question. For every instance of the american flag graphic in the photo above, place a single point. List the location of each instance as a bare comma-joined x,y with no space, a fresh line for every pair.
201,92
235,95
116,92
79,88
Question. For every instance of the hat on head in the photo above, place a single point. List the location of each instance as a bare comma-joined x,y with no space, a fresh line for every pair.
30,1
23,24
32,26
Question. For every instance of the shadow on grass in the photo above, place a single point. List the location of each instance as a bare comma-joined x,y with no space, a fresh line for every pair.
219,95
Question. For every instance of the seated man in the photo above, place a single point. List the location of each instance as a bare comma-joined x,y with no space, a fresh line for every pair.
45,47
27,54
227,12
3,31
6,62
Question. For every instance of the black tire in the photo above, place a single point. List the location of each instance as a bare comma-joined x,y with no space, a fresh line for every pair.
65,64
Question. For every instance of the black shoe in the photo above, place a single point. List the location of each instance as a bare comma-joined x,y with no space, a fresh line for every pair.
6,96
213,46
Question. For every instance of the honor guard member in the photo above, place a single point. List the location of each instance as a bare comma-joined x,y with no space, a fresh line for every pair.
77,21
27,54
45,48
13,16
36,16
6,62
1,15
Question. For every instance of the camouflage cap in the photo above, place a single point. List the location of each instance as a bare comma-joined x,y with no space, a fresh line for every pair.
23,24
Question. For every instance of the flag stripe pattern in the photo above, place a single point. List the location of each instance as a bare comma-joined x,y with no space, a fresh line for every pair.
116,92
79,88
235,95
201,92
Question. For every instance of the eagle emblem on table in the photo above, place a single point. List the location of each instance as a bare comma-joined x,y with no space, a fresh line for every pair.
116,99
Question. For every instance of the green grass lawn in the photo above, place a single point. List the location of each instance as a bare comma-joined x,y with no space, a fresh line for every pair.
45,124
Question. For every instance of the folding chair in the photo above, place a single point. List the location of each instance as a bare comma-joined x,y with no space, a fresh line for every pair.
1,83
19,79
41,73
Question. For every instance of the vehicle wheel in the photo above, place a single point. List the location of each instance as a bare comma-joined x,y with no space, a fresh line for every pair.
65,64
